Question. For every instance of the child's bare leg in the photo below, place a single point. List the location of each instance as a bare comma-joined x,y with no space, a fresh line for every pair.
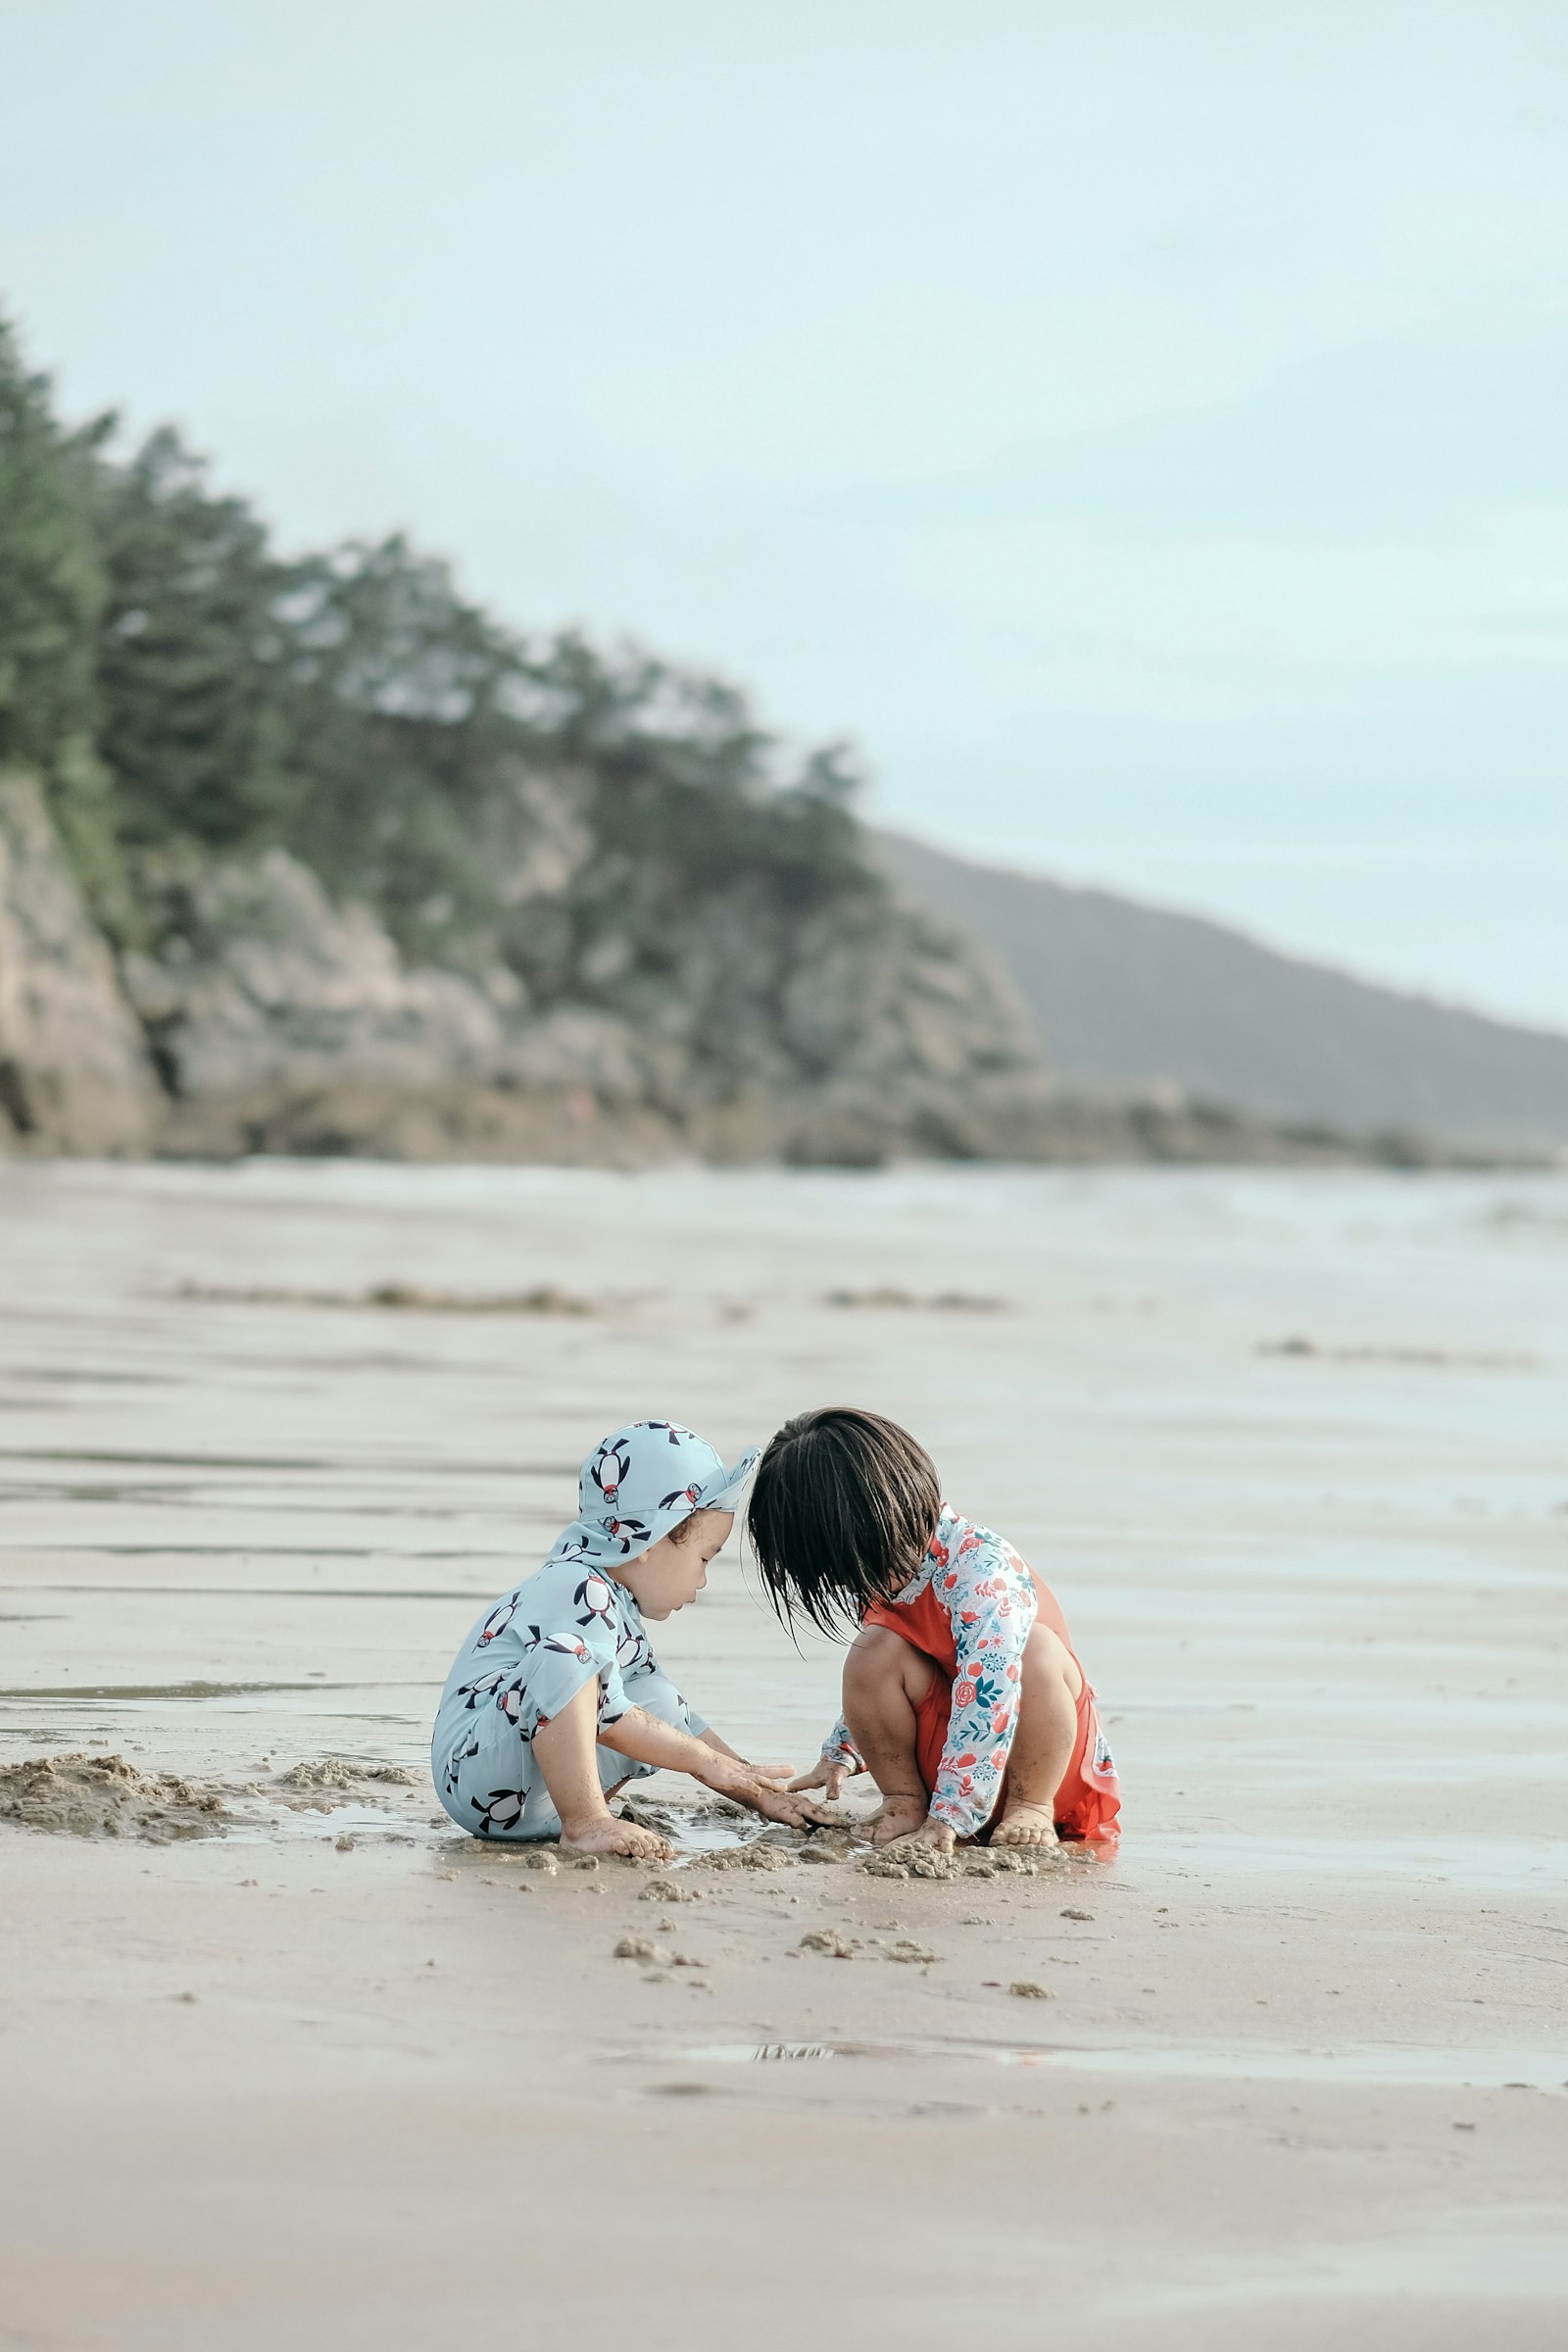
1049,1685
569,1758
885,1679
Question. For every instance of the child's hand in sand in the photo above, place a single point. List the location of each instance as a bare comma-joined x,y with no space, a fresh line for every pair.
826,1774
605,1834
742,1784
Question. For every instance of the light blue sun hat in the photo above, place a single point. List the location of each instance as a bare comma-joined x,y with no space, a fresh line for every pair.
641,1482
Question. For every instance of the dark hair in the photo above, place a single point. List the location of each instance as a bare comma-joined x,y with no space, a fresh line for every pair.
842,1510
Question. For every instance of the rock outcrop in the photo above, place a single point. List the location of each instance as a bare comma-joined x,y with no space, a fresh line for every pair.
280,1021
74,1074
263,1016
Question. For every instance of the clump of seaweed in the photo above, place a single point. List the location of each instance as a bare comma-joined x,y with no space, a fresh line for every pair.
411,1297
948,1302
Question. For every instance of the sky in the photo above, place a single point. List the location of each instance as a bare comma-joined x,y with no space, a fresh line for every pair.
1139,427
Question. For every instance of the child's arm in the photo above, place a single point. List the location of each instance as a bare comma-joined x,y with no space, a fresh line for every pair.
762,1772
839,1761
991,1601
829,1771
647,1740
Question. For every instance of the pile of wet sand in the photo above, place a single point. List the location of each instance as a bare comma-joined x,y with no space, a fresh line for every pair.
321,1785
103,1796
78,1795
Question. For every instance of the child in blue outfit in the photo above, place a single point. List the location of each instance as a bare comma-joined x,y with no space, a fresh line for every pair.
556,1699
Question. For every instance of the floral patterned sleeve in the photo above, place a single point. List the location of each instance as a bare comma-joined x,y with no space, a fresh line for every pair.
840,1749
988,1595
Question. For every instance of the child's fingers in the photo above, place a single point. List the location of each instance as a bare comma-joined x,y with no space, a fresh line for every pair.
793,1811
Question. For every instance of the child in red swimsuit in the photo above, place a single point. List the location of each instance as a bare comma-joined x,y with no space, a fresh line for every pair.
963,1696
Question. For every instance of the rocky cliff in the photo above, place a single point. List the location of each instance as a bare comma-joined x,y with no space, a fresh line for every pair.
262,1014
74,1072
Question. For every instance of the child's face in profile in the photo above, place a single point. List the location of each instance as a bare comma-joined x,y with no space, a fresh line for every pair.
669,1573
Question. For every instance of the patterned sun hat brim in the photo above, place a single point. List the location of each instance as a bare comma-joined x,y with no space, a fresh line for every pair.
641,1482
722,1492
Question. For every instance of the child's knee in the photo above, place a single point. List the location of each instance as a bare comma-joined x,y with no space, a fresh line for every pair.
1047,1662
878,1658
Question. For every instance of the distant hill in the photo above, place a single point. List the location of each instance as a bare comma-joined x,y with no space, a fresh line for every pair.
1128,995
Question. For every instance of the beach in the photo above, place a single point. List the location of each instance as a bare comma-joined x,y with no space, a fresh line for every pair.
1290,1447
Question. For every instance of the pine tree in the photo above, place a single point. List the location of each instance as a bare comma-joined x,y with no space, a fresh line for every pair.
193,657
51,595
183,691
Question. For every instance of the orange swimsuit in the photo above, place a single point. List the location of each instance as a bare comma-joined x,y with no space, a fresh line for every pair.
1088,1800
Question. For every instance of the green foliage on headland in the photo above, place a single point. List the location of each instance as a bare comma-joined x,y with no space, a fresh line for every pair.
184,689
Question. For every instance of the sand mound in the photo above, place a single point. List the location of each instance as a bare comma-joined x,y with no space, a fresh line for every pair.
103,1796
317,1784
760,1854
969,1862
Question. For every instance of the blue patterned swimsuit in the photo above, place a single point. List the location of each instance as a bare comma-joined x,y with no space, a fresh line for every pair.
571,1623
525,1661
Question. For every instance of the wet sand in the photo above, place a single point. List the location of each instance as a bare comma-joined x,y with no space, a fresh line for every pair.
1291,1449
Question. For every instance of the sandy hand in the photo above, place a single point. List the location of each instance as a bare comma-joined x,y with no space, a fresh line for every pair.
901,1815
934,1833
779,1775
613,1836
825,1773
774,1804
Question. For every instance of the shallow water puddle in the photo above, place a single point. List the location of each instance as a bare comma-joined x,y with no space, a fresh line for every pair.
1390,2066
343,1465
356,1820
695,1839
695,1829
129,1690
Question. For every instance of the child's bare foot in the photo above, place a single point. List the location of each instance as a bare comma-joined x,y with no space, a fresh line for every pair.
898,1816
1026,1825
613,1836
